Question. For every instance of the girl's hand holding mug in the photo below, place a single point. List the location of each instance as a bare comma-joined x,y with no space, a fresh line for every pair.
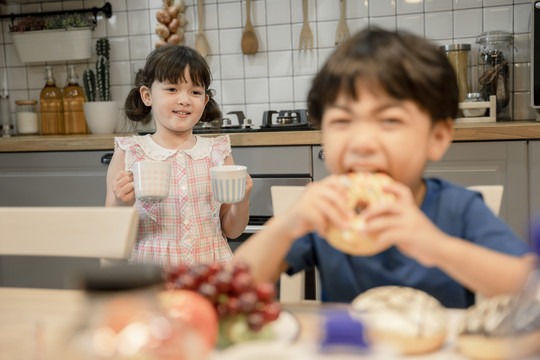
123,188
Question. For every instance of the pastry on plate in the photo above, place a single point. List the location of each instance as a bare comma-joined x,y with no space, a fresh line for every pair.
364,189
501,327
404,319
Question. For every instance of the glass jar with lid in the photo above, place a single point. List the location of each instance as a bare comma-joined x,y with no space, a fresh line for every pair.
27,118
458,55
495,58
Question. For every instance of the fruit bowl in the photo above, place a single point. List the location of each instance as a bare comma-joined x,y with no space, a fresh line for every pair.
244,308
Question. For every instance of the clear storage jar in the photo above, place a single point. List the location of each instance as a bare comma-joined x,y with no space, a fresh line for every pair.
495,58
27,117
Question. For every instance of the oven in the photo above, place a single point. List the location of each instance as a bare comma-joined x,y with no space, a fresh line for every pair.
270,166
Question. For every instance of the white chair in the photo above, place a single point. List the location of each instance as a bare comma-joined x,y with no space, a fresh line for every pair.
291,288
106,233
492,195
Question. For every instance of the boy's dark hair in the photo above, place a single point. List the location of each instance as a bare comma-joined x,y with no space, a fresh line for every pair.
407,67
168,63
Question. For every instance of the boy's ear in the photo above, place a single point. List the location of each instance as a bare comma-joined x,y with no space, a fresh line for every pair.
441,138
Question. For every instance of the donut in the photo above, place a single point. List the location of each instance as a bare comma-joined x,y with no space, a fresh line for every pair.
364,189
406,320
501,327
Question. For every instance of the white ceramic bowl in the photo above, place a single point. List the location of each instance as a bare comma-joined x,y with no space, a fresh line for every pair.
101,116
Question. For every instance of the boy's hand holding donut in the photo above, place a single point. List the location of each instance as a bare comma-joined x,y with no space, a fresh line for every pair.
322,204
123,188
403,224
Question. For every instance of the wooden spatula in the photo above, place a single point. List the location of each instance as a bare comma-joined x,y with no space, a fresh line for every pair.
201,43
250,44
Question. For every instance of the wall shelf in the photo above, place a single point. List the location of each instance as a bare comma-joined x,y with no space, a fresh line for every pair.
105,9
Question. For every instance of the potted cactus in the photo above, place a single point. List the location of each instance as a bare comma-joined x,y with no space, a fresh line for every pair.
100,111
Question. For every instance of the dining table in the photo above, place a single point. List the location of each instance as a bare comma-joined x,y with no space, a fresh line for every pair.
33,321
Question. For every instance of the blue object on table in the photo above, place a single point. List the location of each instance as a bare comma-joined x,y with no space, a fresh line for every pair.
342,333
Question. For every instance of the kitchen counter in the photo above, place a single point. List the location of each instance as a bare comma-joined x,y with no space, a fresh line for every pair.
513,130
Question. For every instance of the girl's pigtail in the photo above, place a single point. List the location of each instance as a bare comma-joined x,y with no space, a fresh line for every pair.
212,110
135,108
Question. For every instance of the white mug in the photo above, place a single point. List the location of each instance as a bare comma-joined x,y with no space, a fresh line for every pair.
228,183
151,180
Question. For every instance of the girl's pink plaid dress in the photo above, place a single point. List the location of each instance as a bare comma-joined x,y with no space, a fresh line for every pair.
185,228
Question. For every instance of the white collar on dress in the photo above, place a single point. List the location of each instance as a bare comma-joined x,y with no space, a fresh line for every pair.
201,149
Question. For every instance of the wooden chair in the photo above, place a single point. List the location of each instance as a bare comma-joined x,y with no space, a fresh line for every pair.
42,246
100,232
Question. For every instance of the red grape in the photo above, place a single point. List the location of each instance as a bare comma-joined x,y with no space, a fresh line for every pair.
271,311
241,282
255,321
265,291
248,302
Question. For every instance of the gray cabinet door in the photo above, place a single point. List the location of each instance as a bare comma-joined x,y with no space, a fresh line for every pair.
71,178
534,183
491,163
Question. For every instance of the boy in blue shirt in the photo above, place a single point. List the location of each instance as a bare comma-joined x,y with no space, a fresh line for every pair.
386,103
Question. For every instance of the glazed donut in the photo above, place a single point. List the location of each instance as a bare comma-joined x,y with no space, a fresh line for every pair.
364,189
501,327
406,320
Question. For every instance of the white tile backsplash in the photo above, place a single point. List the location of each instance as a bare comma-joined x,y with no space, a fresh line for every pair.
278,76
467,23
409,7
412,23
437,5
499,18
382,8
439,25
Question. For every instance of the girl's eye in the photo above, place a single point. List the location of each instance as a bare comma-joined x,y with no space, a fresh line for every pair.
391,121
171,89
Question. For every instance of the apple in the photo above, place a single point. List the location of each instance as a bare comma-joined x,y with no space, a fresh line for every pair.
195,311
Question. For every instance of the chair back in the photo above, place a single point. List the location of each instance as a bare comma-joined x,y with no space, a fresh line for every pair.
291,288
492,195
93,232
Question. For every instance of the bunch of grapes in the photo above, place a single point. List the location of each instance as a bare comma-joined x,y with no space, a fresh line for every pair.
230,288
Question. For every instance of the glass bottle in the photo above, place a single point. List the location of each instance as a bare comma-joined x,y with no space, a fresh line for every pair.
6,124
52,117
73,95
495,58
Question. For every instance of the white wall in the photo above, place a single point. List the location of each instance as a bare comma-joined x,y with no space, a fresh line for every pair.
278,76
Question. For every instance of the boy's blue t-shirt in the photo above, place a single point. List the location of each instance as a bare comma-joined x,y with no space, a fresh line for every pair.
453,209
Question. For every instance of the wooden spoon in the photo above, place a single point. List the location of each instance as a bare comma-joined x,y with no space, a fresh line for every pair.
201,43
250,44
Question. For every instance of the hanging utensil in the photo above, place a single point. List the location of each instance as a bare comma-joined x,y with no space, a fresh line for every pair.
306,36
342,32
250,44
201,43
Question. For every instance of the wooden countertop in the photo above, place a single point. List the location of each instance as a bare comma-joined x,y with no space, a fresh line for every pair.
513,130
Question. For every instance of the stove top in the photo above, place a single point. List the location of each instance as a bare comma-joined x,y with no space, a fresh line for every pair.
285,120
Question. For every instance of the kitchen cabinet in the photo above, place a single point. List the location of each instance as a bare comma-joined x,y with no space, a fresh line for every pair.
534,182
73,178
482,163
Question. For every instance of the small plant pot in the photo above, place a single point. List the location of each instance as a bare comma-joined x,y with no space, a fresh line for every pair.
101,116
53,45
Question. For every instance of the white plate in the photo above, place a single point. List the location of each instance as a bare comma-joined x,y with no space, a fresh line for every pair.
286,329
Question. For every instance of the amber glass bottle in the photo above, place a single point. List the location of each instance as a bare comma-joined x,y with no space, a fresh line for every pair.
73,96
50,99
